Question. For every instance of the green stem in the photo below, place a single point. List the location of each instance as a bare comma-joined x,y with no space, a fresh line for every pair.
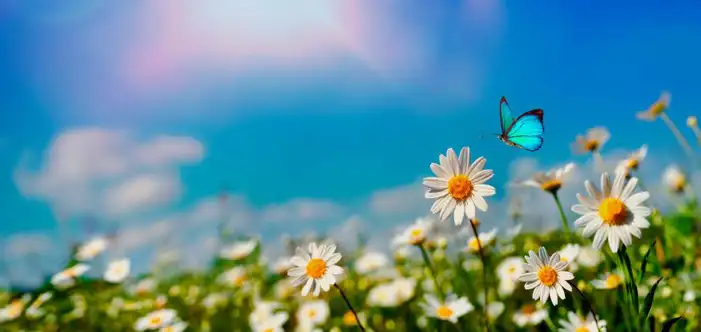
355,314
631,287
563,217
434,276
484,275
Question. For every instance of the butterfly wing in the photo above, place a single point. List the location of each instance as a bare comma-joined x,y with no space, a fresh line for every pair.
505,116
527,130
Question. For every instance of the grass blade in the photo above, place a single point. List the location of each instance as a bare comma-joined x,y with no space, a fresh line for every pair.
667,325
647,305
643,265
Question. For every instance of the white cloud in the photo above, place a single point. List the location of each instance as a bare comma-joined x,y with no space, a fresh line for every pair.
399,200
140,192
81,166
301,209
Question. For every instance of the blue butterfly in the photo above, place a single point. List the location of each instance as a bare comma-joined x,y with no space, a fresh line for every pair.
525,132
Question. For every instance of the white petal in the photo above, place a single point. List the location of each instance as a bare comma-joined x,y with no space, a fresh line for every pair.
459,213
296,272
527,277
435,183
449,208
470,209
476,166
333,259
307,287
628,190
479,202
298,261
317,288
599,238
485,190
592,226
637,198
440,171
335,269
618,183
613,240
482,176
464,160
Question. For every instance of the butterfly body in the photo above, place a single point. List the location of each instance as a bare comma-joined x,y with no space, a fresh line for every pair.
525,132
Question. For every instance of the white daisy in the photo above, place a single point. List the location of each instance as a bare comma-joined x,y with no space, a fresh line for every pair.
91,249
656,109
317,268
262,312
392,294
550,181
235,277
608,281
282,264
689,296
588,256
592,141
514,231
313,313
529,314
66,278
574,323
450,310
508,271
616,214
415,234
238,250
569,254
273,323
632,162
674,179
117,271
176,327
370,261
156,320
546,276
485,240
144,286
458,187
14,310
494,310
34,310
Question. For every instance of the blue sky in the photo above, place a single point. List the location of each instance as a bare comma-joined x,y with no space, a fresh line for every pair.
329,112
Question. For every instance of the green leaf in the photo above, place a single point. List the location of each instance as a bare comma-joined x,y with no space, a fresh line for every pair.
645,311
643,265
667,325
630,279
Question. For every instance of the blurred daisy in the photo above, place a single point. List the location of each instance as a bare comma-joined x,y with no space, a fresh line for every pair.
313,313
156,320
91,249
656,109
674,179
632,162
238,250
13,310
263,311
66,278
392,294
282,264
485,240
214,300
415,234
235,277
177,327
550,181
508,271
529,315
144,286
592,141
689,296
575,323
569,254
273,324
494,310
370,261
458,187
608,281
316,269
546,276
616,214
349,318
514,231
34,310
117,271
693,123
588,256
450,310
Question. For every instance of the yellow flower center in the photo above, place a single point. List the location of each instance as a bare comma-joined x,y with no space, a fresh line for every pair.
547,276
168,329
657,108
512,269
416,236
591,145
552,185
311,313
612,281
613,211
474,244
528,309
679,184
349,319
582,329
443,312
460,187
15,309
155,321
268,330
316,268
239,280
632,163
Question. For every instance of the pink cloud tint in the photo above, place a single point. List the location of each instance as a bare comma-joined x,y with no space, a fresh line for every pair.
190,35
